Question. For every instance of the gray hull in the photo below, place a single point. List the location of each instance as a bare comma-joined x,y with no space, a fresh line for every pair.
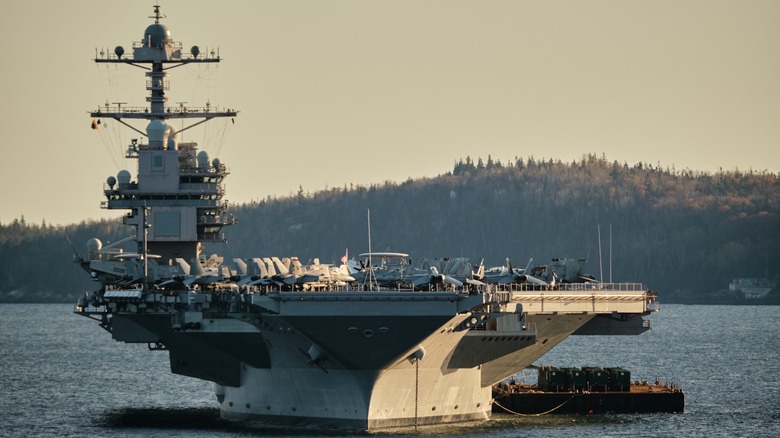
354,360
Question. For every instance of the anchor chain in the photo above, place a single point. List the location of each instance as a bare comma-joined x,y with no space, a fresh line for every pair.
416,389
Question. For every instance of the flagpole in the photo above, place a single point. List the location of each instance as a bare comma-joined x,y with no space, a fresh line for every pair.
601,267
370,277
368,220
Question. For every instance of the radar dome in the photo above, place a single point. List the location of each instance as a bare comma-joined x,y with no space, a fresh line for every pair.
215,162
119,50
94,244
195,50
123,177
157,131
93,248
203,160
156,35
111,181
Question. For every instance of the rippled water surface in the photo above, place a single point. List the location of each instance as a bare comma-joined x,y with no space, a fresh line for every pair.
61,375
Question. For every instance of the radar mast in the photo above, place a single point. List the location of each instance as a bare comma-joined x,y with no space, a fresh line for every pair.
180,188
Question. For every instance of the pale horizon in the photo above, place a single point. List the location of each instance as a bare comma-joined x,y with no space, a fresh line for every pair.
353,92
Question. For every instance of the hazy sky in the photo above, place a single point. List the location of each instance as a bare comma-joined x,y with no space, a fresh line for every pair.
335,92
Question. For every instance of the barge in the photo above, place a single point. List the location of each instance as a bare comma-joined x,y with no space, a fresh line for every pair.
586,391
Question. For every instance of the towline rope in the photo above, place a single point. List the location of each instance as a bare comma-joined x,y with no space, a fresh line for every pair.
532,415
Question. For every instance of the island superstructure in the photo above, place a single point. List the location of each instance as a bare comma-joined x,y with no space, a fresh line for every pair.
289,344
181,188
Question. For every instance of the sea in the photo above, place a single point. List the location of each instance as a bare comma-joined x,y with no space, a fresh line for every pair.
61,375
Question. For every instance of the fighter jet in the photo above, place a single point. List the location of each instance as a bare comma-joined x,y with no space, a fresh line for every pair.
434,278
507,275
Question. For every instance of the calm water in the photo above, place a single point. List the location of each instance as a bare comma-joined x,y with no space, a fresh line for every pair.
61,375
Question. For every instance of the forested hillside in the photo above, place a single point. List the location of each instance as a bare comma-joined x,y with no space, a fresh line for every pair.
685,234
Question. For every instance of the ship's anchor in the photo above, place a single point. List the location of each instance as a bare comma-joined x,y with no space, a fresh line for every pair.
316,357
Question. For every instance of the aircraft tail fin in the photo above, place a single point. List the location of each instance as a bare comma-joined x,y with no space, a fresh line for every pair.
197,269
480,274
281,266
241,268
269,264
183,265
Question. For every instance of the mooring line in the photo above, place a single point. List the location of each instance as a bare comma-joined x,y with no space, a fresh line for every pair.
533,415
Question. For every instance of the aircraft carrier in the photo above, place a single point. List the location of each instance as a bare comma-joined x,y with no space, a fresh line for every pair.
288,344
